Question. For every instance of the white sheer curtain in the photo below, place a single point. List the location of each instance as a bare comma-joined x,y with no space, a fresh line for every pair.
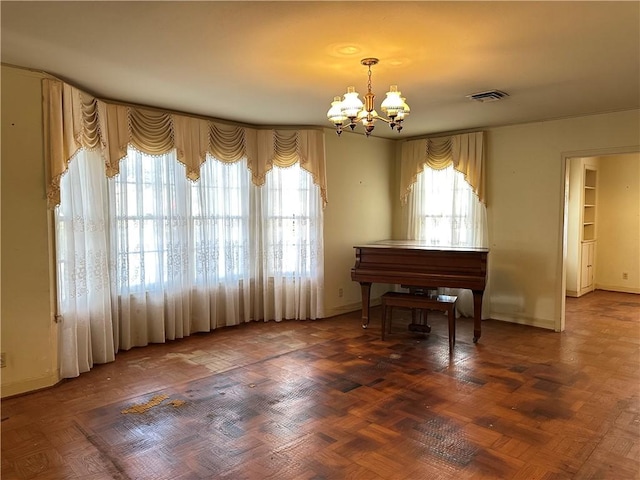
150,244
290,244
222,257
149,256
84,268
444,210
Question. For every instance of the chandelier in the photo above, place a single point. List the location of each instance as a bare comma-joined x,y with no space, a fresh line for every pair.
351,109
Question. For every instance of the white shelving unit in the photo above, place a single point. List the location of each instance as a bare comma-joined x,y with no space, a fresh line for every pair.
589,231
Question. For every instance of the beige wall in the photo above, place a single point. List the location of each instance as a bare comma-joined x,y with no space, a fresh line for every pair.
525,185
359,211
618,249
29,335
525,180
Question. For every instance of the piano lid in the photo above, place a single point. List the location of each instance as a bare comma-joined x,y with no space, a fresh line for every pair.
419,245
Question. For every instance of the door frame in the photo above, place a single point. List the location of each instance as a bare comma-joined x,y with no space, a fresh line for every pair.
565,157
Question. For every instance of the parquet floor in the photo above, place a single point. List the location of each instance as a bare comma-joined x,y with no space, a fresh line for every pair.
329,400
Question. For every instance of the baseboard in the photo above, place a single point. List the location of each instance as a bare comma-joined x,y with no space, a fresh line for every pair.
617,288
532,322
27,386
572,293
351,307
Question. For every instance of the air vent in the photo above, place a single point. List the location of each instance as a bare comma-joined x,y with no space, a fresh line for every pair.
488,96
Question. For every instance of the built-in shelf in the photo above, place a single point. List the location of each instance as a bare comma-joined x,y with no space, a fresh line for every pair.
589,204
588,250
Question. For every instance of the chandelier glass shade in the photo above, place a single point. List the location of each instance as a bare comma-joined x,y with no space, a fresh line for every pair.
349,110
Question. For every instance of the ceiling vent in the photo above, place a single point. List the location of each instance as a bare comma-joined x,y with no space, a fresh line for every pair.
488,96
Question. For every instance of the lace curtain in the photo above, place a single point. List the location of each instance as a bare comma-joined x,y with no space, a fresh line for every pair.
88,331
444,210
442,181
168,225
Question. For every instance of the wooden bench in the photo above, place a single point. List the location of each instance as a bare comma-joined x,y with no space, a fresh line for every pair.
414,301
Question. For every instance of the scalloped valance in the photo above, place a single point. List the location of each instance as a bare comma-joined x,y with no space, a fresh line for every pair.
464,151
74,119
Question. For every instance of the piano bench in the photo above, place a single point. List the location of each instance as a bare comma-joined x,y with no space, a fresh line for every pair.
441,303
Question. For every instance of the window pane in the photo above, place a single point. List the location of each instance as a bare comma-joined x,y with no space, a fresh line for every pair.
289,223
447,210
220,213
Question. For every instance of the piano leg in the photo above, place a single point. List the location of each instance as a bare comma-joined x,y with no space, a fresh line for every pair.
365,287
477,315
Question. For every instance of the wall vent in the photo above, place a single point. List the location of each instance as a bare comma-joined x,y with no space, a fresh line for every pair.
488,96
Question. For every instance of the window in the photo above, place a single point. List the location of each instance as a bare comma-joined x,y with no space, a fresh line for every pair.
161,248
446,210
147,214
220,221
290,214
167,226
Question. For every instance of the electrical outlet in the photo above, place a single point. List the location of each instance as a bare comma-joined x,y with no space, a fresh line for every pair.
3,360
625,276
340,292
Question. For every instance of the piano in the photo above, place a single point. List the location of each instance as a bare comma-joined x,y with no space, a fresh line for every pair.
412,263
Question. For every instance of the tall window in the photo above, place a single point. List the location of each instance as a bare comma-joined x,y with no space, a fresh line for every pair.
167,227
221,222
292,212
149,204
446,211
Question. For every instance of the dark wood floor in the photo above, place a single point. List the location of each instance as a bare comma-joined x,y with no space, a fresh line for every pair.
329,400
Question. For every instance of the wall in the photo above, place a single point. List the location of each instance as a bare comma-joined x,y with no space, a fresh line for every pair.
359,170
618,212
525,200
29,335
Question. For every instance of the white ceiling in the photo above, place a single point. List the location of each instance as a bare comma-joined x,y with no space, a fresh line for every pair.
281,63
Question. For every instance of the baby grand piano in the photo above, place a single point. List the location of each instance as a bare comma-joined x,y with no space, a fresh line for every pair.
413,263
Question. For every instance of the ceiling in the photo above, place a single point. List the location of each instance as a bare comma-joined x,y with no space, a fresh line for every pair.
281,63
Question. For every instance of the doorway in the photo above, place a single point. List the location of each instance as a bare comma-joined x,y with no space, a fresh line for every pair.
613,219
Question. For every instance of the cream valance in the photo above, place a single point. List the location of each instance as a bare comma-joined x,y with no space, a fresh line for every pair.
74,119
464,151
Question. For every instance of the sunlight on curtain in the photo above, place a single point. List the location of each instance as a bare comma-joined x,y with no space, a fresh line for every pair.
150,238
444,210
221,255
149,256
83,267
292,273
